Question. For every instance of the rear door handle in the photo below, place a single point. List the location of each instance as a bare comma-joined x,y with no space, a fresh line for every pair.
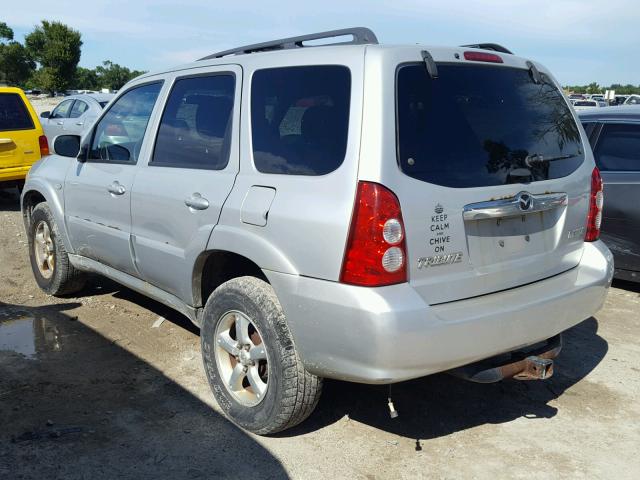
80,124
197,202
60,123
116,189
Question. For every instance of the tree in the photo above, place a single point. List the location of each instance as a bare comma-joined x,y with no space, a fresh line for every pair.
56,48
593,87
15,64
6,32
113,76
86,79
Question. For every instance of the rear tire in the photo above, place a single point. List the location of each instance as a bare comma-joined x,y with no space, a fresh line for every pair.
50,263
285,394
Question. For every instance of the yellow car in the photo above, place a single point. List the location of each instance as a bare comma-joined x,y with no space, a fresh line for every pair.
22,140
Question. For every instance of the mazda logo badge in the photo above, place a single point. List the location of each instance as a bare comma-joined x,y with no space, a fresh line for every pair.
525,202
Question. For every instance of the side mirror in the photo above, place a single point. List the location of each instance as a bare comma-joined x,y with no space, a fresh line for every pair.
45,114
67,145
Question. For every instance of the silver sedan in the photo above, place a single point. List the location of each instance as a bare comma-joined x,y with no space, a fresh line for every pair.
74,114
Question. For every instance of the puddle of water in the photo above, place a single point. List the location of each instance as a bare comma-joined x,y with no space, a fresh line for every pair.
29,336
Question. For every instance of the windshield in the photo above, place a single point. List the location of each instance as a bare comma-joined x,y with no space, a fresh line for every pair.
476,126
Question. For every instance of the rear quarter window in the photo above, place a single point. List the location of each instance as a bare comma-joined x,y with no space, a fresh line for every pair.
13,113
475,126
618,148
300,118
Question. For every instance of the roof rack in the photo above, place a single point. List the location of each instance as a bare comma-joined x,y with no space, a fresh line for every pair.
490,46
360,36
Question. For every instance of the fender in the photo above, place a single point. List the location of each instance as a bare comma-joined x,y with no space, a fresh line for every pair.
252,246
46,177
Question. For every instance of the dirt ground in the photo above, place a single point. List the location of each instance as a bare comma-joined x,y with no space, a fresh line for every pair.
89,388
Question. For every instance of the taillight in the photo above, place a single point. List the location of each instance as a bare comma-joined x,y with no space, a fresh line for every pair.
483,57
44,145
594,218
376,252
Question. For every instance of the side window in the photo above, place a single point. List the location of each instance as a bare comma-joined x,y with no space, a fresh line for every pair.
62,110
618,147
119,133
195,130
300,119
78,109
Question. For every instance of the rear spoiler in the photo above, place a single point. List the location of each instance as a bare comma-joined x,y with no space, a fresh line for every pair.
490,46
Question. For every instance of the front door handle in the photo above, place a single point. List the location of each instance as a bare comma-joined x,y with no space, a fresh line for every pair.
60,123
197,202
116,189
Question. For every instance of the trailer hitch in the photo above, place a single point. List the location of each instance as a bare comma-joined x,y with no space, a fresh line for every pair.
532,363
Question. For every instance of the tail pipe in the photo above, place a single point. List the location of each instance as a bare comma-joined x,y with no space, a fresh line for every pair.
532,363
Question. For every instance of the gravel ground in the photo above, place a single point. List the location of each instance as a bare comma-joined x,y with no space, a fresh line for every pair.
42,104
89,388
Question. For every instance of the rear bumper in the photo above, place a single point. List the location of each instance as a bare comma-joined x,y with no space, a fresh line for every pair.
14,173
389,334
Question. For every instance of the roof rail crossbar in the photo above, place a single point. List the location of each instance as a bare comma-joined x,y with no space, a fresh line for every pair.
490,46
360,36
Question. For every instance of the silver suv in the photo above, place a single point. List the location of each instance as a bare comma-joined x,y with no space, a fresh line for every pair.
353,211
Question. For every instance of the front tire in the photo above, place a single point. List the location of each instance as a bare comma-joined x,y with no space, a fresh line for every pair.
251,362
50,263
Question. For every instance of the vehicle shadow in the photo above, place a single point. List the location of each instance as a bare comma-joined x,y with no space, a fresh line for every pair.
74,404
626,285
440,405
101,286
9,200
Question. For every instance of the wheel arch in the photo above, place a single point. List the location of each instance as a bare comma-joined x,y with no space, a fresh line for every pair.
36,192
215,267
254,255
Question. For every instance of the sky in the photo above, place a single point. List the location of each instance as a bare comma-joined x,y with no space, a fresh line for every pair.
579,41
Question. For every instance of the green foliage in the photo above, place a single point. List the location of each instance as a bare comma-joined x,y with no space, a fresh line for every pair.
86,79
6,32
113,76
56,48
595,88
16,65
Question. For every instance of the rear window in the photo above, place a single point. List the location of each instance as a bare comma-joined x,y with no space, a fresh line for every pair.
299,119
585,103
13,113
477,126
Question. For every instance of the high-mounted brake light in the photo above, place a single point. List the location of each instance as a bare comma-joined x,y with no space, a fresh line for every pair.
376,249
483,57
44,145
596,202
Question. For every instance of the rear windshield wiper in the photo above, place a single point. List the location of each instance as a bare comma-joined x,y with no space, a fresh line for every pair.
537,159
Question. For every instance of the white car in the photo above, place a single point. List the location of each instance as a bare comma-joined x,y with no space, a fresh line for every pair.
585,104
632,100
73,115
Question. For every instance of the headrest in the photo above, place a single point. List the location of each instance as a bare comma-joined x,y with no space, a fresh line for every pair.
212,115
